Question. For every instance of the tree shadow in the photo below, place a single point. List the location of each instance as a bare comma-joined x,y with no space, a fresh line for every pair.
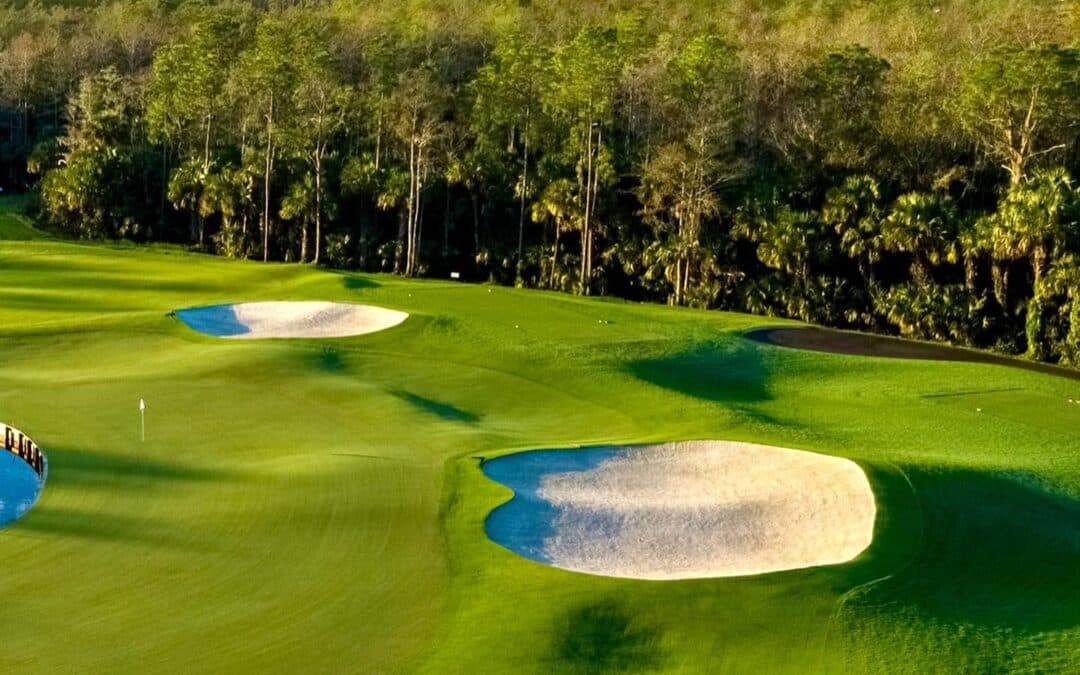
729,372
91,468
440,409
55,301
88,470
354,282
329,360
996,550
604,638
64,522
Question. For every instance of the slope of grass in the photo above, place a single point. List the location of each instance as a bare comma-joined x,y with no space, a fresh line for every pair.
317,506
14,226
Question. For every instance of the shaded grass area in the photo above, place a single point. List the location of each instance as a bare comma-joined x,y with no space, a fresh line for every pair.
305,506
14,226
864,344
605,637
999,552
992,588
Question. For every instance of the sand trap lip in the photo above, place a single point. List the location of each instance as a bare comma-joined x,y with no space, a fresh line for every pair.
303,319
818,339
697,509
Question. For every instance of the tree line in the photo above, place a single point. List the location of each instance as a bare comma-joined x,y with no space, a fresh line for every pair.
904,167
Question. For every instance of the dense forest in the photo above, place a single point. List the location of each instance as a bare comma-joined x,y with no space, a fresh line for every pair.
905,166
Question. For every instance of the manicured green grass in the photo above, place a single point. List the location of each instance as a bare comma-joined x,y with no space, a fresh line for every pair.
317,506
14,226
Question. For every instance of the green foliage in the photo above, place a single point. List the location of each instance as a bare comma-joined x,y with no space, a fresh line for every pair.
803,159
841,97
382,505
948,313
923,226
1019,104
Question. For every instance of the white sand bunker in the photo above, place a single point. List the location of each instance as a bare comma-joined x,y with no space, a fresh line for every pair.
253,320
691,510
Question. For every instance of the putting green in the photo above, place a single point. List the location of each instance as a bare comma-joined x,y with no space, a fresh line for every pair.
318,506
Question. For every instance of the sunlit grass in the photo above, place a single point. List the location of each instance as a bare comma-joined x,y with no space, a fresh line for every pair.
317,506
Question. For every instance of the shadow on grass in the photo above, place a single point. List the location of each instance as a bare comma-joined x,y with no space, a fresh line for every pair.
731,372
996,551
444,411
817,339
90,468
604,638
64,522
354,282
56,301
329,360
78,277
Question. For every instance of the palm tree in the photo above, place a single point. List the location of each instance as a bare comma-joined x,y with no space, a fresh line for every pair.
853,210
923,225
1033,220
558,205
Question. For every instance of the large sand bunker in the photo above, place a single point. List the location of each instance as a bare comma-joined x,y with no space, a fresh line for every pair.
682,510
253,320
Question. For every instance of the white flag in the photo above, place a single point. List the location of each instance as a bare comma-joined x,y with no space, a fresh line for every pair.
142,404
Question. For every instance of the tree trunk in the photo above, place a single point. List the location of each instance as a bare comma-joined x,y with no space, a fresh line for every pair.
592,208
410,208
585,271
524,191
266,180
920,269
970,274
1039,257
400,248
318,205
554,256
476,224
446,228
419,224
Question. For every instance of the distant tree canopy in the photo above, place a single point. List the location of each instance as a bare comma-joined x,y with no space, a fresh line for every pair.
889,165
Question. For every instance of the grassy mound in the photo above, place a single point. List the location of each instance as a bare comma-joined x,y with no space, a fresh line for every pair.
318,507
14,226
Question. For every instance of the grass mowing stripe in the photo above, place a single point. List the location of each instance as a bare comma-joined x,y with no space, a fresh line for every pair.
314,506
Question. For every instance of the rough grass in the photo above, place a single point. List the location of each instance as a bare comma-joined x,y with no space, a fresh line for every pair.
317,506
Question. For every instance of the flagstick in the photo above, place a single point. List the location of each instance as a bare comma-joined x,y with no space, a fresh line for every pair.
142,418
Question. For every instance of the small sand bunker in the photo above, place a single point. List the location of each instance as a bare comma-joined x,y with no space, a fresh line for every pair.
254,320
682,510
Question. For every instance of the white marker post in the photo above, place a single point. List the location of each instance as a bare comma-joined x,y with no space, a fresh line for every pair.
142,418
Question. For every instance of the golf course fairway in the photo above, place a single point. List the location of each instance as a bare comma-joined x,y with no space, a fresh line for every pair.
319,505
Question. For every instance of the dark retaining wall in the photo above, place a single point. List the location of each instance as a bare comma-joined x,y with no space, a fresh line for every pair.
18,443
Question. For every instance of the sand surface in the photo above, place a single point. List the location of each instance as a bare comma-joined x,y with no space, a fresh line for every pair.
699,509
254,320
